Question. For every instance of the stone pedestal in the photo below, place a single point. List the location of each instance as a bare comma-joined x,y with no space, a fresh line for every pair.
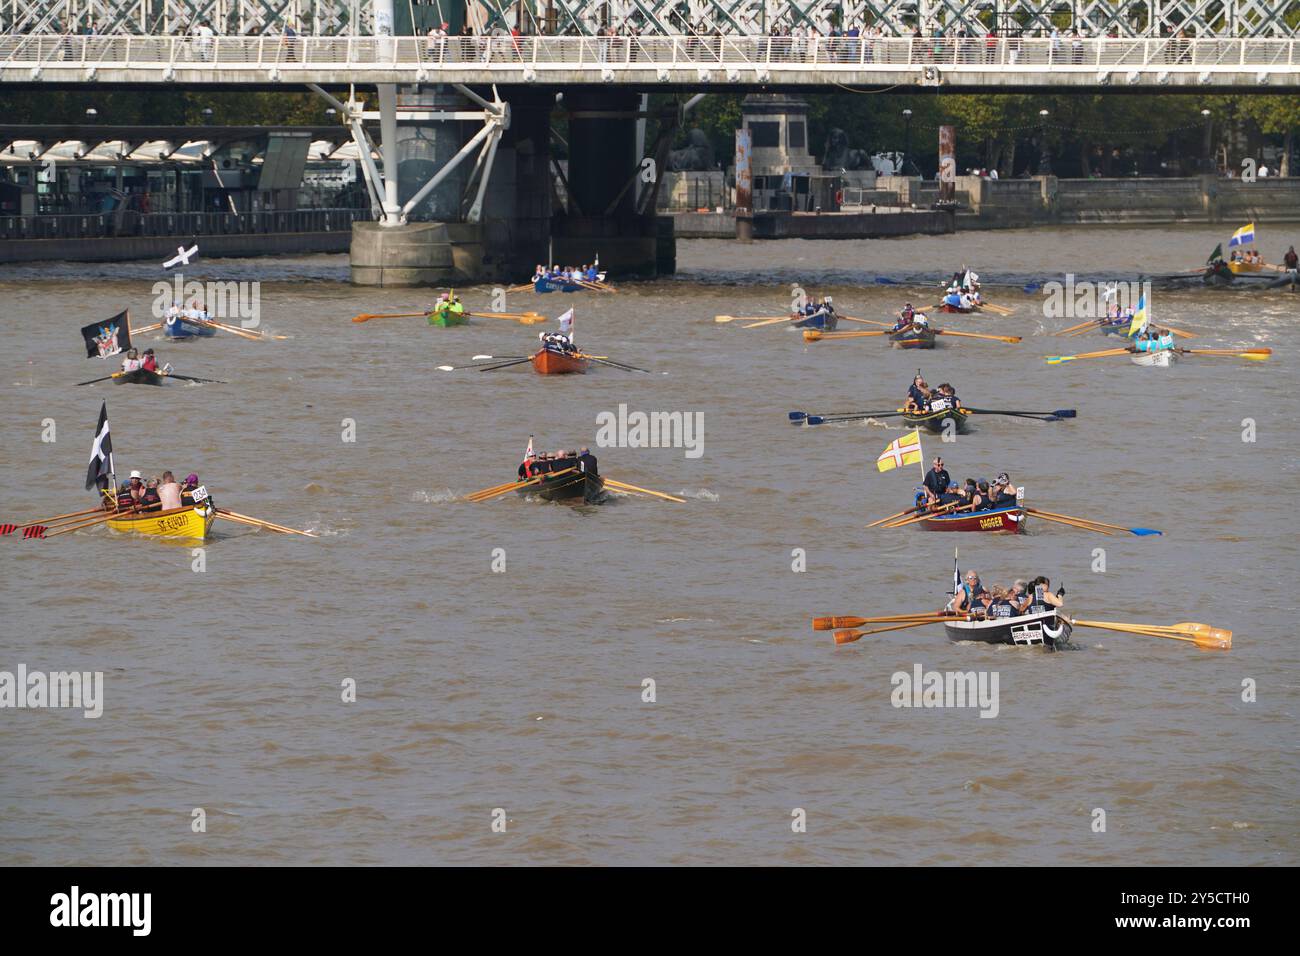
421,253
778,129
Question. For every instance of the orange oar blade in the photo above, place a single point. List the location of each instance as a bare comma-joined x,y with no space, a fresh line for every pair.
847,637
1218,639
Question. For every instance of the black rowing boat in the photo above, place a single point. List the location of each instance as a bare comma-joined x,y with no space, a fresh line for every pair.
1045,629
140,376
936,422
568,487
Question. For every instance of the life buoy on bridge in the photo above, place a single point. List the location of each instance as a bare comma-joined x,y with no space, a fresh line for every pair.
839,197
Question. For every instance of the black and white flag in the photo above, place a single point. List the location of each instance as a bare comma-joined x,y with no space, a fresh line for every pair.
101,454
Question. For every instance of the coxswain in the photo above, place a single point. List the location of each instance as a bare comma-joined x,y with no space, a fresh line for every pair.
918,395
921,321
587,462
1291,261
936,482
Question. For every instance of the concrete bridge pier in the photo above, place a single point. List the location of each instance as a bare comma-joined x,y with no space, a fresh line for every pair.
609,209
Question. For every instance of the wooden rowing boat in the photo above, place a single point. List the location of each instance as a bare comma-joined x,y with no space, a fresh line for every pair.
935,422
1159,359
448,316
569,487
912,338
550,362
179,328
1006,520
821,320
140,377
194,522
1044,629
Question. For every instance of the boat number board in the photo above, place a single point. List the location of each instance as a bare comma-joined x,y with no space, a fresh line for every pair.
200,494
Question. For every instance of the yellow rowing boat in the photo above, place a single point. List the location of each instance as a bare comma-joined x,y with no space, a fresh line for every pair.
189,522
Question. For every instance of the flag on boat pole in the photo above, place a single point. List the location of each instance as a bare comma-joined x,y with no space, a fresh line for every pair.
1245,236
100,471
566,324
1216,255
902,451
528,452
1139,317
109,337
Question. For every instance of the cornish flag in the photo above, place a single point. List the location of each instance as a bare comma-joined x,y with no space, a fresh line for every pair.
101,454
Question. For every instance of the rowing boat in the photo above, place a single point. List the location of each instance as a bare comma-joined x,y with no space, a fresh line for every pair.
568,487
140,376
193,522
912,338
936,422
557,284
180,329
956,309
1006,520
551,362
821,320
1160,359
1044,629
1116,328
448,316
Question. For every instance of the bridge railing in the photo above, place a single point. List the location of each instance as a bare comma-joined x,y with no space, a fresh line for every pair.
508,55
182,224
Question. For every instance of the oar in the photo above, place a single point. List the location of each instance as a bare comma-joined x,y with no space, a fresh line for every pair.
996,309
820,420
1013,339
480,359
832,623
104,379
1080,326
495,492
225,328
530,318
883,325
367,316
797,417
1210,638
147,328
761,322
603,361
1255,355
925,514
265,524
1140,532
848,637
83,524
1058,359
1050,416
741,318
191,378
11,528
493,368
880,521
812,335
624,486
522,287
1081,525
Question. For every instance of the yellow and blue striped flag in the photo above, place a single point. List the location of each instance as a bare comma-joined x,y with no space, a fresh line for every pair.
1245,236
1139,317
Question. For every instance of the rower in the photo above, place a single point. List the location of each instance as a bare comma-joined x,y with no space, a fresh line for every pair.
169,492
132,361
149,498
944,399
917,395
1002,491
135,489
187,489
953,300
1019,597
1041,598
936,481
149,363
921,322
1291,260
999,605
587,462
968,595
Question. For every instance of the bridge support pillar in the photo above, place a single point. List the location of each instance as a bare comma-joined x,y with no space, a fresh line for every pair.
610,190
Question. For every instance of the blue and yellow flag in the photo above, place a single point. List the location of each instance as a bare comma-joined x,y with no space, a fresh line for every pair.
1245,236
1139,317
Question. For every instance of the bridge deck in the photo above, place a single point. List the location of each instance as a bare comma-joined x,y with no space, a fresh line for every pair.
649,61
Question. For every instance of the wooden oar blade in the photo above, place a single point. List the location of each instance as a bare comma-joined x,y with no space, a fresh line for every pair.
847,637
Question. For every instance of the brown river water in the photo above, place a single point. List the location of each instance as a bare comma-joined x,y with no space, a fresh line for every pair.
522,690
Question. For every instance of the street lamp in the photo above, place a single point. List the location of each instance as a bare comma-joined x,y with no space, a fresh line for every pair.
1207,147
907,140
1044,157
91,114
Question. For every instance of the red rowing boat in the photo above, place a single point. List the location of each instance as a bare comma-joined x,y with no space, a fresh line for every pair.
548,362
1009,520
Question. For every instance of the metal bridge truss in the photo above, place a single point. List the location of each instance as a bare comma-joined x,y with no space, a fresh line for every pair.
1220,18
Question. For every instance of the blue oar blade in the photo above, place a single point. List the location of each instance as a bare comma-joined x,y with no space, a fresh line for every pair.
797,416
885,280
1031,288
1143,532
1065,413
814,420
